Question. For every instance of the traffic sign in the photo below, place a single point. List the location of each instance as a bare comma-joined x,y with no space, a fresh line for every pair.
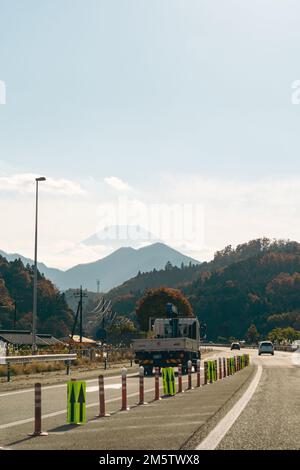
76,403
168,377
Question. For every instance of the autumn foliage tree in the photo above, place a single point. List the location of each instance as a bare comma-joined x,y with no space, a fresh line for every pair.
252,334
153,305
284,335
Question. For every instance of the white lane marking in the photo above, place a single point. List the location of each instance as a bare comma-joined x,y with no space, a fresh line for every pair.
50,387
217,434
107,387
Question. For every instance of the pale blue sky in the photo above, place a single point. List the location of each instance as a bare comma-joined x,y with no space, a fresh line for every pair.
142,88
203,85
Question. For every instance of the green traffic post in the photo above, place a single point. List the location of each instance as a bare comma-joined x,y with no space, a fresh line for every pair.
76,411
168,378
172,388
211,379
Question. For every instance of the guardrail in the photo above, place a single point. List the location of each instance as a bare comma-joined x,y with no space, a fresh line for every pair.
37,358
9,360
287,348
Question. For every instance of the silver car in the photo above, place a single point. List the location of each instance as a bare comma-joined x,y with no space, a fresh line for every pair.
266,347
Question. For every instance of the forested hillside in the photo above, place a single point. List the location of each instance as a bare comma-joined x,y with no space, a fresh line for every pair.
16,285
229,300
256,283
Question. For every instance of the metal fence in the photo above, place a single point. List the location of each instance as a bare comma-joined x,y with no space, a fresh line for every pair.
37,358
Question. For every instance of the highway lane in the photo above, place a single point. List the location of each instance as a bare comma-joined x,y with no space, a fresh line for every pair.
19,403
17,407
269,417
17,410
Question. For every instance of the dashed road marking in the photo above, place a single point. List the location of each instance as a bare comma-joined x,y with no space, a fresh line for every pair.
52,387
107,387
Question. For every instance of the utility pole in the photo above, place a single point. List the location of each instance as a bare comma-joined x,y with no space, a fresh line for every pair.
98,286
80,313
81,295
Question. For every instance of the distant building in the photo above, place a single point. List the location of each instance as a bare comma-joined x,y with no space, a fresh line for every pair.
24,338
76,340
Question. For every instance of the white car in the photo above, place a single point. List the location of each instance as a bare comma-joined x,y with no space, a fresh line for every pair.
266,347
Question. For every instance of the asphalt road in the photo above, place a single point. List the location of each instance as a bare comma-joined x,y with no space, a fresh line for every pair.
270,419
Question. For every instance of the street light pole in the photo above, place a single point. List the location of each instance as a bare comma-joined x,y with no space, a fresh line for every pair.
34,312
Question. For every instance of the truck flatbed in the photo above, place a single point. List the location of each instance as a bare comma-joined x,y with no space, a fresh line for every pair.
166,344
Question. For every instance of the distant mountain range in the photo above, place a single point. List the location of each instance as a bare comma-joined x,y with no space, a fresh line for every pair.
106,241
49,273
112,270
118,236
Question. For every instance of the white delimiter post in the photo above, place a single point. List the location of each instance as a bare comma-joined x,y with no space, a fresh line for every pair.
141,376
124,390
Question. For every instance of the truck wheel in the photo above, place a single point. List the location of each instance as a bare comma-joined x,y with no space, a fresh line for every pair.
148,370
184,370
